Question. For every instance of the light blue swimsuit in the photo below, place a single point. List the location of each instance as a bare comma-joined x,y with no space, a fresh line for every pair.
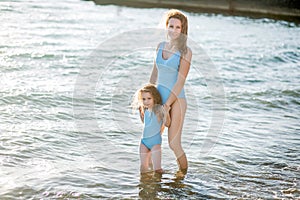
167,73
151,132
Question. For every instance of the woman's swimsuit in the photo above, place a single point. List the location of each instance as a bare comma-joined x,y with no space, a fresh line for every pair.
167,73
151,132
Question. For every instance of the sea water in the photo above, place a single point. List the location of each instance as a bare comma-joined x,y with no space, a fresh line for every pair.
67,78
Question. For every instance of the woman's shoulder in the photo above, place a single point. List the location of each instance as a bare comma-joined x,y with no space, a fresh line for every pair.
160,44
188,54
189,51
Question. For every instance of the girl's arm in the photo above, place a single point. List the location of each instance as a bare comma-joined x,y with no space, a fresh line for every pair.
141,110
184,68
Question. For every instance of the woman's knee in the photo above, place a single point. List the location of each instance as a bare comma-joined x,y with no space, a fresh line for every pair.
172,146
176,147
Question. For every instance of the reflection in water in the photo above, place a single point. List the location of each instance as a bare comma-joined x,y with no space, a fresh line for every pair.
155,185
150,185
44,47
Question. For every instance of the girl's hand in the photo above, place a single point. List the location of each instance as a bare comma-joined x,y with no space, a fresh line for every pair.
141,109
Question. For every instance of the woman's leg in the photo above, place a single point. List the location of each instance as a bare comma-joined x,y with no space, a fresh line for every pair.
175,130
144,158
156,158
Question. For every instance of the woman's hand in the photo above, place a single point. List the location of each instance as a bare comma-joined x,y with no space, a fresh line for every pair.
166,113
166,108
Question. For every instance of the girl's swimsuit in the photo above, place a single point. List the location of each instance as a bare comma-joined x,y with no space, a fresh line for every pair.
167,73
151,132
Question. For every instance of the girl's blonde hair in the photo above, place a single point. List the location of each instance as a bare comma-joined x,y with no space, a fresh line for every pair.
138,100
182,40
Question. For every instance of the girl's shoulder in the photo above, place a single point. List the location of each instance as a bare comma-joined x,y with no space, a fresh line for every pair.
158,111
161,113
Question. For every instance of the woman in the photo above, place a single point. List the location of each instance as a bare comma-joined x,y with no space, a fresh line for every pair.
169,72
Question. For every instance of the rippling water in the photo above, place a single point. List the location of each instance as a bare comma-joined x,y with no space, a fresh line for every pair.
54,146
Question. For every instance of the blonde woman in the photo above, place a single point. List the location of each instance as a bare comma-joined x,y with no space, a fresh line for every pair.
171,67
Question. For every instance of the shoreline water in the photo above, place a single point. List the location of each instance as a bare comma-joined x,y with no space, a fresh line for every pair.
56,144
288,10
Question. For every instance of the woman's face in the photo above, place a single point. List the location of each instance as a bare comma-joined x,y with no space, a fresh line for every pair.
174,28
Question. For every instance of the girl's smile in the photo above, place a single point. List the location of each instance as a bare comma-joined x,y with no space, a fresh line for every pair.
148,100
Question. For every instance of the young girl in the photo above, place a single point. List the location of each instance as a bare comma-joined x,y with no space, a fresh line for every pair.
154,116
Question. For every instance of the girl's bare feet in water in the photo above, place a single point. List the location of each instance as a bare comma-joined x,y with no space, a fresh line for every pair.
159,171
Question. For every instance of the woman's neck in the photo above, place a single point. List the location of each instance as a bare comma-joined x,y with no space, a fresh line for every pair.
172,45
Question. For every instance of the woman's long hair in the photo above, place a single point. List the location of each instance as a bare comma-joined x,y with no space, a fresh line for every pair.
182,40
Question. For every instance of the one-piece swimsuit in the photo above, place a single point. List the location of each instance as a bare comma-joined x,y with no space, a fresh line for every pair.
167,73
152,130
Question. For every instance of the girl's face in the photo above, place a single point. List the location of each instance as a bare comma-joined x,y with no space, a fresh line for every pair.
148,100
174,28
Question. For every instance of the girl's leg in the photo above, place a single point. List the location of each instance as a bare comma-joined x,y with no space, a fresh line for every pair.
175,130
144,158
156,158
150,162
150,159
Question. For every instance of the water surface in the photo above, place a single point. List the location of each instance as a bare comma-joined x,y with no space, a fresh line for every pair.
45,154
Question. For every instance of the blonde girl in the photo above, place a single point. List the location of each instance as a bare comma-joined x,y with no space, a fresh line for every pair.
154,117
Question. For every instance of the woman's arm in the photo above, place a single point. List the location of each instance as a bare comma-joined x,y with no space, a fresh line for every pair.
184,68
166,116
153,77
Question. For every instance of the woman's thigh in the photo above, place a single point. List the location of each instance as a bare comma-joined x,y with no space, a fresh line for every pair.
177,118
